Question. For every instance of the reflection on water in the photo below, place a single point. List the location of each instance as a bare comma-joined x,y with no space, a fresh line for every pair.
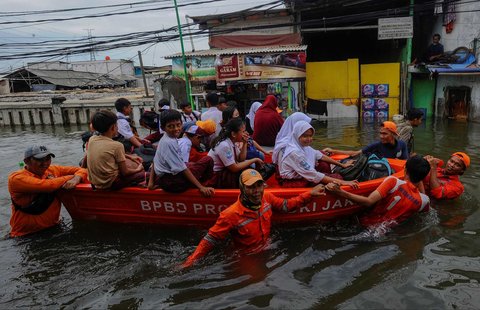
430,262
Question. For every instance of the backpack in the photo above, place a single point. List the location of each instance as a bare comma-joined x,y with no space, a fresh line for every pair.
353,172
150,120
375,168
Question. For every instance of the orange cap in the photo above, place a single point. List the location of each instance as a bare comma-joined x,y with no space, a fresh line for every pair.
390,126
208,126
464,157
250,177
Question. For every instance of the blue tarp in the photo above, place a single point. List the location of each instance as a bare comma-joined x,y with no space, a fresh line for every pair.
466,60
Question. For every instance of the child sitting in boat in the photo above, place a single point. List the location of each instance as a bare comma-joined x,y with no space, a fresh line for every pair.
230,159
253,148
395,200
298,162
108,165
285,133
168,170
190,143
209,127
126,128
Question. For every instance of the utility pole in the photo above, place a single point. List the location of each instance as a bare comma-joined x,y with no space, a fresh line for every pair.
184,59
190,33
143,73
90,40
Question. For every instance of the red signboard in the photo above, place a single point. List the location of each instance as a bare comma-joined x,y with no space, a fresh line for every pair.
228,68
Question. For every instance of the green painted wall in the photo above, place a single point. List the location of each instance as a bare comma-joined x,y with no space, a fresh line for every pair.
423,94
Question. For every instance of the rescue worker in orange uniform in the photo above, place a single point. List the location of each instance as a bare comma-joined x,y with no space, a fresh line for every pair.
248,220
32,190
444,183
394,200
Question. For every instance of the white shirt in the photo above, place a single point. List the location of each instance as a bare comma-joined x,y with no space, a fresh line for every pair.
185,145
214,114
296,166
191,117
123,126
224,155
168,158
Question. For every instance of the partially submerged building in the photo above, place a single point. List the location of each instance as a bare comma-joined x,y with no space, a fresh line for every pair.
246,60
27,79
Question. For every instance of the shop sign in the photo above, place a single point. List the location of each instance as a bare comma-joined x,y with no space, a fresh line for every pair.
228,67
395,28
198,68
288,65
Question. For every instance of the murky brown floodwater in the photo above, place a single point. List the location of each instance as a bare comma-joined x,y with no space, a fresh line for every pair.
430,262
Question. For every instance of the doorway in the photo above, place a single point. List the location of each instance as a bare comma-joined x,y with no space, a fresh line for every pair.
458,101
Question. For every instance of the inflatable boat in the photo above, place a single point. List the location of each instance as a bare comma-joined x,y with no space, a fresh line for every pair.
140,205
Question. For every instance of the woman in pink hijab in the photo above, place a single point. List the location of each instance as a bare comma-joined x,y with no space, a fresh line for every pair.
267,122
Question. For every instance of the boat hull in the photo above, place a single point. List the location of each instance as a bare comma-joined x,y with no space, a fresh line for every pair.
139,205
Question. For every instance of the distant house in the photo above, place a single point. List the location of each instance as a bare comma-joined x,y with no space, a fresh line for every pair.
27,79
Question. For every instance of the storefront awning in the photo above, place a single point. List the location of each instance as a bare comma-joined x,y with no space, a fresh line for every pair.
242,50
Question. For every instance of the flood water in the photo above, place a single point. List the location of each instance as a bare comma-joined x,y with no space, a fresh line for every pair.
430,262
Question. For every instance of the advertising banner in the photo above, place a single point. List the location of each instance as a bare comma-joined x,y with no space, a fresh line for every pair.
289,65
286,65
228,67
198,68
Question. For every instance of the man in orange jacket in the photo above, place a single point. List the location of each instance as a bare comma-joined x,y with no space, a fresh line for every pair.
32,190
248,220
444,183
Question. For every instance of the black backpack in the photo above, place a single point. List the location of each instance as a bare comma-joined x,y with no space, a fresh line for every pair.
353,172
150,120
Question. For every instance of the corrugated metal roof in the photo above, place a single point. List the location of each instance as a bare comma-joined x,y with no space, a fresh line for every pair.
242,50
69,78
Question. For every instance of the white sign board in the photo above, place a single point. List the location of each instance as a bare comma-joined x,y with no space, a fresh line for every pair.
395,28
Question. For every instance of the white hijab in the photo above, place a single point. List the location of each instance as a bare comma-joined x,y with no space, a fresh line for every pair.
252,111
294,144
285,133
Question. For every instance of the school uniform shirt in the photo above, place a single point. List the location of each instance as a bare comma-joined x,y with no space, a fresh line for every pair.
398,150
450,186
168,157
103,158
124,126
285,133
192,117
400,200
298,161
185,145
24,187
249,229
216,115
295,166
224,155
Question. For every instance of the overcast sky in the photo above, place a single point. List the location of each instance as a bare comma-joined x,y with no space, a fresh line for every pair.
112,25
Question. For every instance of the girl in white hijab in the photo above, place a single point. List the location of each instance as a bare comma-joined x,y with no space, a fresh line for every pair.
285,133
297,165
251,113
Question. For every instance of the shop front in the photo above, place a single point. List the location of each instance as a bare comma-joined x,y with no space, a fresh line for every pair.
246,75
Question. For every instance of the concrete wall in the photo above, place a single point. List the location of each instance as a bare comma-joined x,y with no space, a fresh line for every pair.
4,86
50,65
465,30
112,67
472,81
69,112
466,26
